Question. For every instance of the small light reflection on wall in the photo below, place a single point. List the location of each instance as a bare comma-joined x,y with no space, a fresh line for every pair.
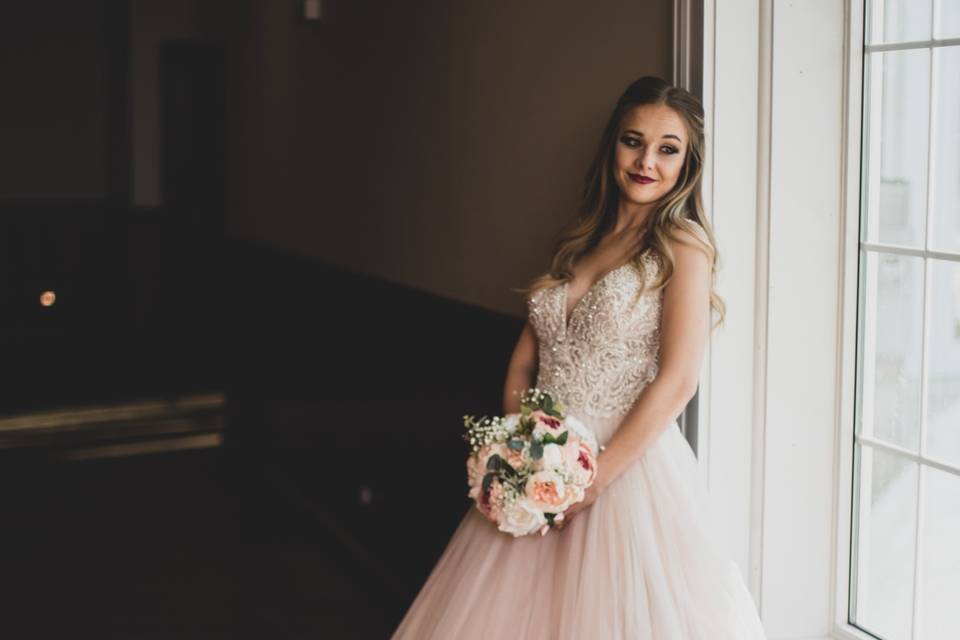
47,298
366,495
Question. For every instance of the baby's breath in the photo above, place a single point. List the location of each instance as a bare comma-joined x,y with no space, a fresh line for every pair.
532,396
484,431
535,399
510,493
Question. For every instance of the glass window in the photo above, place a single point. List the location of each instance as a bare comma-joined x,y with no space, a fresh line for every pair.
905,573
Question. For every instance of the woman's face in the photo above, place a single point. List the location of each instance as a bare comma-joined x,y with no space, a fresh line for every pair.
652,144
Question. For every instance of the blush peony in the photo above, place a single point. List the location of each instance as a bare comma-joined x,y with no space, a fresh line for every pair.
546,491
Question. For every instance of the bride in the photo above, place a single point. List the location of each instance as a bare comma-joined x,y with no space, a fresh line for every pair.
616,329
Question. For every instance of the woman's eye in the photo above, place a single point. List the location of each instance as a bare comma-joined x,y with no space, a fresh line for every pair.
633,143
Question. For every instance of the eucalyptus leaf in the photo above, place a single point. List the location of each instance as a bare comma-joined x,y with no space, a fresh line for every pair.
516,445
563,438
536,450
487,481
494,462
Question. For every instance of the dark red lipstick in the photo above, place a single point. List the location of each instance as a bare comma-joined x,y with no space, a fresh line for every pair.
636,177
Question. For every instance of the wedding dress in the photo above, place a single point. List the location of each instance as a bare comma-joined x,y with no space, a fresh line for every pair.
640,563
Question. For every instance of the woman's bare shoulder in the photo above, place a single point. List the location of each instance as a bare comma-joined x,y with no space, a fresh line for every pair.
690,232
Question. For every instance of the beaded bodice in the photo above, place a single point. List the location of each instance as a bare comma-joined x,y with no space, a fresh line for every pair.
599,359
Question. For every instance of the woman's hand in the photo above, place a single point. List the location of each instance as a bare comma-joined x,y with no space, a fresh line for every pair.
589,496
591,493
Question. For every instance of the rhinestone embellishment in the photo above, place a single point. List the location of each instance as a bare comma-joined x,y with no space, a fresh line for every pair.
610,348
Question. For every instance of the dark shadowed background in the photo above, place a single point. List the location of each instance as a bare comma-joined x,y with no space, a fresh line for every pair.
253,269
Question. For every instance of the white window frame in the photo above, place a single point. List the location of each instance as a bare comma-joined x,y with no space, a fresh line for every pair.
853,113
847,441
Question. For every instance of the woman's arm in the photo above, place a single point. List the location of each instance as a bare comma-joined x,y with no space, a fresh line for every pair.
684,328
522,370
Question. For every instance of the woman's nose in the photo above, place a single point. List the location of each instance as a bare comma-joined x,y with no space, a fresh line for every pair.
645,158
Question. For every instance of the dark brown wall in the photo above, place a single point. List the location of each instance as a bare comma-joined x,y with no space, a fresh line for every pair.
53,68
436,144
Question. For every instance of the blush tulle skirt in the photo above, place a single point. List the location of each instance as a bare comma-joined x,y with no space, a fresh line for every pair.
640,563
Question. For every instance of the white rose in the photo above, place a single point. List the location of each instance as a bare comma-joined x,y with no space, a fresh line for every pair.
552,456
521,518
580,475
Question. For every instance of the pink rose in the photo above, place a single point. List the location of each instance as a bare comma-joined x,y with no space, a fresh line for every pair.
546,424
490,501
474,476
571,451
513,458
587,462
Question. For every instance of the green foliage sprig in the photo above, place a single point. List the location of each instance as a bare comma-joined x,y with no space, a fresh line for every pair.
486,430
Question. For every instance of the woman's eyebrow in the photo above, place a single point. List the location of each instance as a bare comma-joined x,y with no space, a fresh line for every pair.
666,135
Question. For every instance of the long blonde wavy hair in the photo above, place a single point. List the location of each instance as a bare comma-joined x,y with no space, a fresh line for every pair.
680,208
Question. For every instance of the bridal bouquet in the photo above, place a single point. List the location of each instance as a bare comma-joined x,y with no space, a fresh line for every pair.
526,468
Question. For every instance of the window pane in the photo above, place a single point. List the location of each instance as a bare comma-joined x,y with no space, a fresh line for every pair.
898,20
885,543
943,365
892,344
896,161
939,588
905,574
948,23
946,146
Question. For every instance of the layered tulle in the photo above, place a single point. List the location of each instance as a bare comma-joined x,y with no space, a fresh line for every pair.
640,563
